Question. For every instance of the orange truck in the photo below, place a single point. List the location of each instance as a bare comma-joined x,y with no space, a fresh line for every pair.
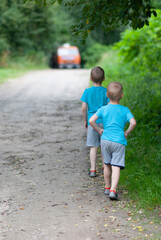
68,56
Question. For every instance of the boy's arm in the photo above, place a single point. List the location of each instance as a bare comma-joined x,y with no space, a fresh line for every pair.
131,127
93,123
84,112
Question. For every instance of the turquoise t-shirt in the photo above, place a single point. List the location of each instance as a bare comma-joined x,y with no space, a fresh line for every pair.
95,97
114,118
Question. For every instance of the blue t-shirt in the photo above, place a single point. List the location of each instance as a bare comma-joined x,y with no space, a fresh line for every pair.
114,118
95,97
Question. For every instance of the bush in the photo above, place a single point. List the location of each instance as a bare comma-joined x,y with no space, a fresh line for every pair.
93,54
30,60
143,47
140,73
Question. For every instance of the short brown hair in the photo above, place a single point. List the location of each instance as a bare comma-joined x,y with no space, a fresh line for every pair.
97,75
114,91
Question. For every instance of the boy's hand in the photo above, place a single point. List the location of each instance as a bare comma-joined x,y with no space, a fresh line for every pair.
126,134
101,131
84,112
85,124
131,127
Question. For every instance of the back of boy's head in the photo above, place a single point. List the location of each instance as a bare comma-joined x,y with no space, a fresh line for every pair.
115,91
97,75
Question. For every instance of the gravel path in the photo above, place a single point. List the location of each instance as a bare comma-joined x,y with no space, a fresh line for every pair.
45,191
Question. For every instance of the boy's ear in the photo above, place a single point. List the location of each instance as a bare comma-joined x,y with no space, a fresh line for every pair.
122,95
106,94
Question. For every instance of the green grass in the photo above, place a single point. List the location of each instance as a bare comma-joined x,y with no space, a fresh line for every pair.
141,177
9,73
18,66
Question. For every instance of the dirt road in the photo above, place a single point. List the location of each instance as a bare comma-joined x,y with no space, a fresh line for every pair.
45,190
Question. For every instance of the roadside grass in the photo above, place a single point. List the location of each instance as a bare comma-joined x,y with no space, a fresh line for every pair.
141,178
17,66
10,73
147,223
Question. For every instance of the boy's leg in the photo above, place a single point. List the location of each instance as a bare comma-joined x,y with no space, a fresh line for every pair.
107,175
117,162
115,177
101,125
102,160
93,155
106,154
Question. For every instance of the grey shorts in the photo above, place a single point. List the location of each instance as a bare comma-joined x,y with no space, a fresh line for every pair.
93,137
113,153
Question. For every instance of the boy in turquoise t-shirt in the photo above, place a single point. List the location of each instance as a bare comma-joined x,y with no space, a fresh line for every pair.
93,98
113,137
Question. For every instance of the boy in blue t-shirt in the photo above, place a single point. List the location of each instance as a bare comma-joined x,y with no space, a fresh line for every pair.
113,137
93,98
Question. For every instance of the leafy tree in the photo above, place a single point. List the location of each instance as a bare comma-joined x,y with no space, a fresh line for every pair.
30,27
109,14
143,47
25,26
157,4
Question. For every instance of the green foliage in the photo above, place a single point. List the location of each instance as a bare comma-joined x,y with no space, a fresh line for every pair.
142,90
93,53
31,60
31,28
35,28
140,74
156,4
24,26
109,14
4,46
19,65
104,37
142,47
4,51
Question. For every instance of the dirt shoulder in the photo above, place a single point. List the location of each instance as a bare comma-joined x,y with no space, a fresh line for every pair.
45,190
